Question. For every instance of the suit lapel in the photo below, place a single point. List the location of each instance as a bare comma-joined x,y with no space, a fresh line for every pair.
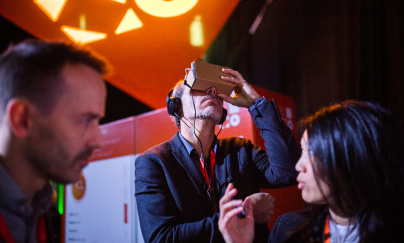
221,170
193,171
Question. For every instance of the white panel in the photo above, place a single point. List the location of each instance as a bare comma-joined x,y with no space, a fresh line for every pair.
99,216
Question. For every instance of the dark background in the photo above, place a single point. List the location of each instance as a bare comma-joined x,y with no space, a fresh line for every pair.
317,52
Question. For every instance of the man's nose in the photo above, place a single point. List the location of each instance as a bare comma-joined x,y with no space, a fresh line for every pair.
211,91
97,140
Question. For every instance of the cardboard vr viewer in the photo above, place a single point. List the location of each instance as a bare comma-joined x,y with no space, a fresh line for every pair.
203,76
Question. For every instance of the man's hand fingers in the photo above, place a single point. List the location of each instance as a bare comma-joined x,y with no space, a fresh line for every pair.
238,78
226,98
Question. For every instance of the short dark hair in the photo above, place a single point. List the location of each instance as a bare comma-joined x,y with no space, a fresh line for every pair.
178,92
357,151
31,69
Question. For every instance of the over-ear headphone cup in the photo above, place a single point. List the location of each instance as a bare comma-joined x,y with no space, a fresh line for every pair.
174,106
170,109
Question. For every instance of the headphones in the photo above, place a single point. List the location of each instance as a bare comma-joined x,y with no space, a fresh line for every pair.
174,107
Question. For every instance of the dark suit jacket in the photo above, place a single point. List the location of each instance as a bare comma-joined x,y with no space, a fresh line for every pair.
285,228
173,204
292,227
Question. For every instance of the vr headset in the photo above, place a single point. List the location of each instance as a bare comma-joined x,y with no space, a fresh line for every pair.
203,76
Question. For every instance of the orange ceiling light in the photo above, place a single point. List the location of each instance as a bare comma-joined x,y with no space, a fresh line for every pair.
149,46
52,8
83,22
166,9
196,31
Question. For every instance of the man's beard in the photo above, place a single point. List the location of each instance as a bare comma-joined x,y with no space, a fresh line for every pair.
209,113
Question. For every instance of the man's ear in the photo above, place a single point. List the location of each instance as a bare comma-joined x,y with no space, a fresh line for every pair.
18,112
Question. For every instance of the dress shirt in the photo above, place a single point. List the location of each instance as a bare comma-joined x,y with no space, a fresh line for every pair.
21,217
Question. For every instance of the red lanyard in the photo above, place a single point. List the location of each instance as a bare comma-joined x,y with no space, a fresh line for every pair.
8,238
212,168
327,235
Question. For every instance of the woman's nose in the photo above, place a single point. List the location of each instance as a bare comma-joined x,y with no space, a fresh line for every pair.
299,167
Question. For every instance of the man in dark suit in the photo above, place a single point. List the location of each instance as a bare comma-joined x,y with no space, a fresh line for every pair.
179,183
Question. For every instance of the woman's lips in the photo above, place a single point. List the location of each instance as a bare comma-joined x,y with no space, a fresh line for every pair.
301,183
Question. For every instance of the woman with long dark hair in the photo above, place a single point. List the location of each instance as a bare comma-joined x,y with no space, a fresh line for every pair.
351,173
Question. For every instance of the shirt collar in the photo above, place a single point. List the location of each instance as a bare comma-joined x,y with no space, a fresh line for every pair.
189,147
11,195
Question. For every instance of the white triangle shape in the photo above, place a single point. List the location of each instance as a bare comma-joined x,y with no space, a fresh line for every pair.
119,1
129,22
80,36
52,8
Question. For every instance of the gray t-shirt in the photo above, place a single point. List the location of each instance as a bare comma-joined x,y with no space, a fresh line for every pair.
343,233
